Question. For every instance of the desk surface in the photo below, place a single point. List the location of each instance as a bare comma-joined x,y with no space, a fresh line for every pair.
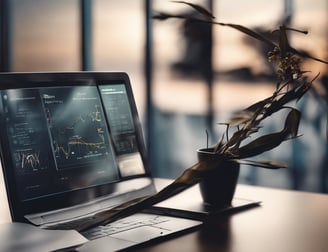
286,221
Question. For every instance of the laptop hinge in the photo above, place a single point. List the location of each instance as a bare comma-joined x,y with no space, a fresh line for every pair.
93,207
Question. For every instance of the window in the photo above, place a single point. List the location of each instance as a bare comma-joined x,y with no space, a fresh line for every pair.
45,35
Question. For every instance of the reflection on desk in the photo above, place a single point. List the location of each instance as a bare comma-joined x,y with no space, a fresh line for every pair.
286,221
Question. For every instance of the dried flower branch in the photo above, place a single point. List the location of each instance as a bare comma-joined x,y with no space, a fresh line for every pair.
292,84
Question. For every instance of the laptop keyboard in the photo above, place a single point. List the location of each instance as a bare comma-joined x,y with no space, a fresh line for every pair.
118,226
125,224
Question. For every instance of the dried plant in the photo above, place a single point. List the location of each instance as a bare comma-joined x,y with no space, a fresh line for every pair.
292,84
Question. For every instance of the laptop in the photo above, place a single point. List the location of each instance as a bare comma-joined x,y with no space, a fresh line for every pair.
72,146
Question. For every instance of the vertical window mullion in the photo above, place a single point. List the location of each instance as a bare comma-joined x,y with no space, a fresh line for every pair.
5,36
86,35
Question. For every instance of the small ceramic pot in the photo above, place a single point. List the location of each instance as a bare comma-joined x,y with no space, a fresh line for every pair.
218,188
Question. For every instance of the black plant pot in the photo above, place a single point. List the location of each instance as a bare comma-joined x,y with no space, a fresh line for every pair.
218,188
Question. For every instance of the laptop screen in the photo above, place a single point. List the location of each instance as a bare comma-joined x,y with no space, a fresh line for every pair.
64,139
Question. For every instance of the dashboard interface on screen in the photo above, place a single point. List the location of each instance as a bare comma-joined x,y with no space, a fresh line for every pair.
67,138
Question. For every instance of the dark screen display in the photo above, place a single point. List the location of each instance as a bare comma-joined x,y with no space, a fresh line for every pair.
60,140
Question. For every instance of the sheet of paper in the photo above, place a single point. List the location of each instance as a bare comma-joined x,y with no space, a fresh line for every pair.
25,237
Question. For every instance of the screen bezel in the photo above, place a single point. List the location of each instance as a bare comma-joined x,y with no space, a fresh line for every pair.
33,80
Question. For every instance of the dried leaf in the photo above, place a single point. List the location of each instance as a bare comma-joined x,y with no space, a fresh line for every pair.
307,55
268,164
198,8
248,32
283,42
296,93
271,141
262,144
259,105
163,16
235,139
292,122
306,86
296,30
249,113
240,118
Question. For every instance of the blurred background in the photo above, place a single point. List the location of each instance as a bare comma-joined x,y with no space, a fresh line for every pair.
186,77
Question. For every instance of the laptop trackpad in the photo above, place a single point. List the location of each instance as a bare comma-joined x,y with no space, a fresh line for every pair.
105,244
124,239
141,234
